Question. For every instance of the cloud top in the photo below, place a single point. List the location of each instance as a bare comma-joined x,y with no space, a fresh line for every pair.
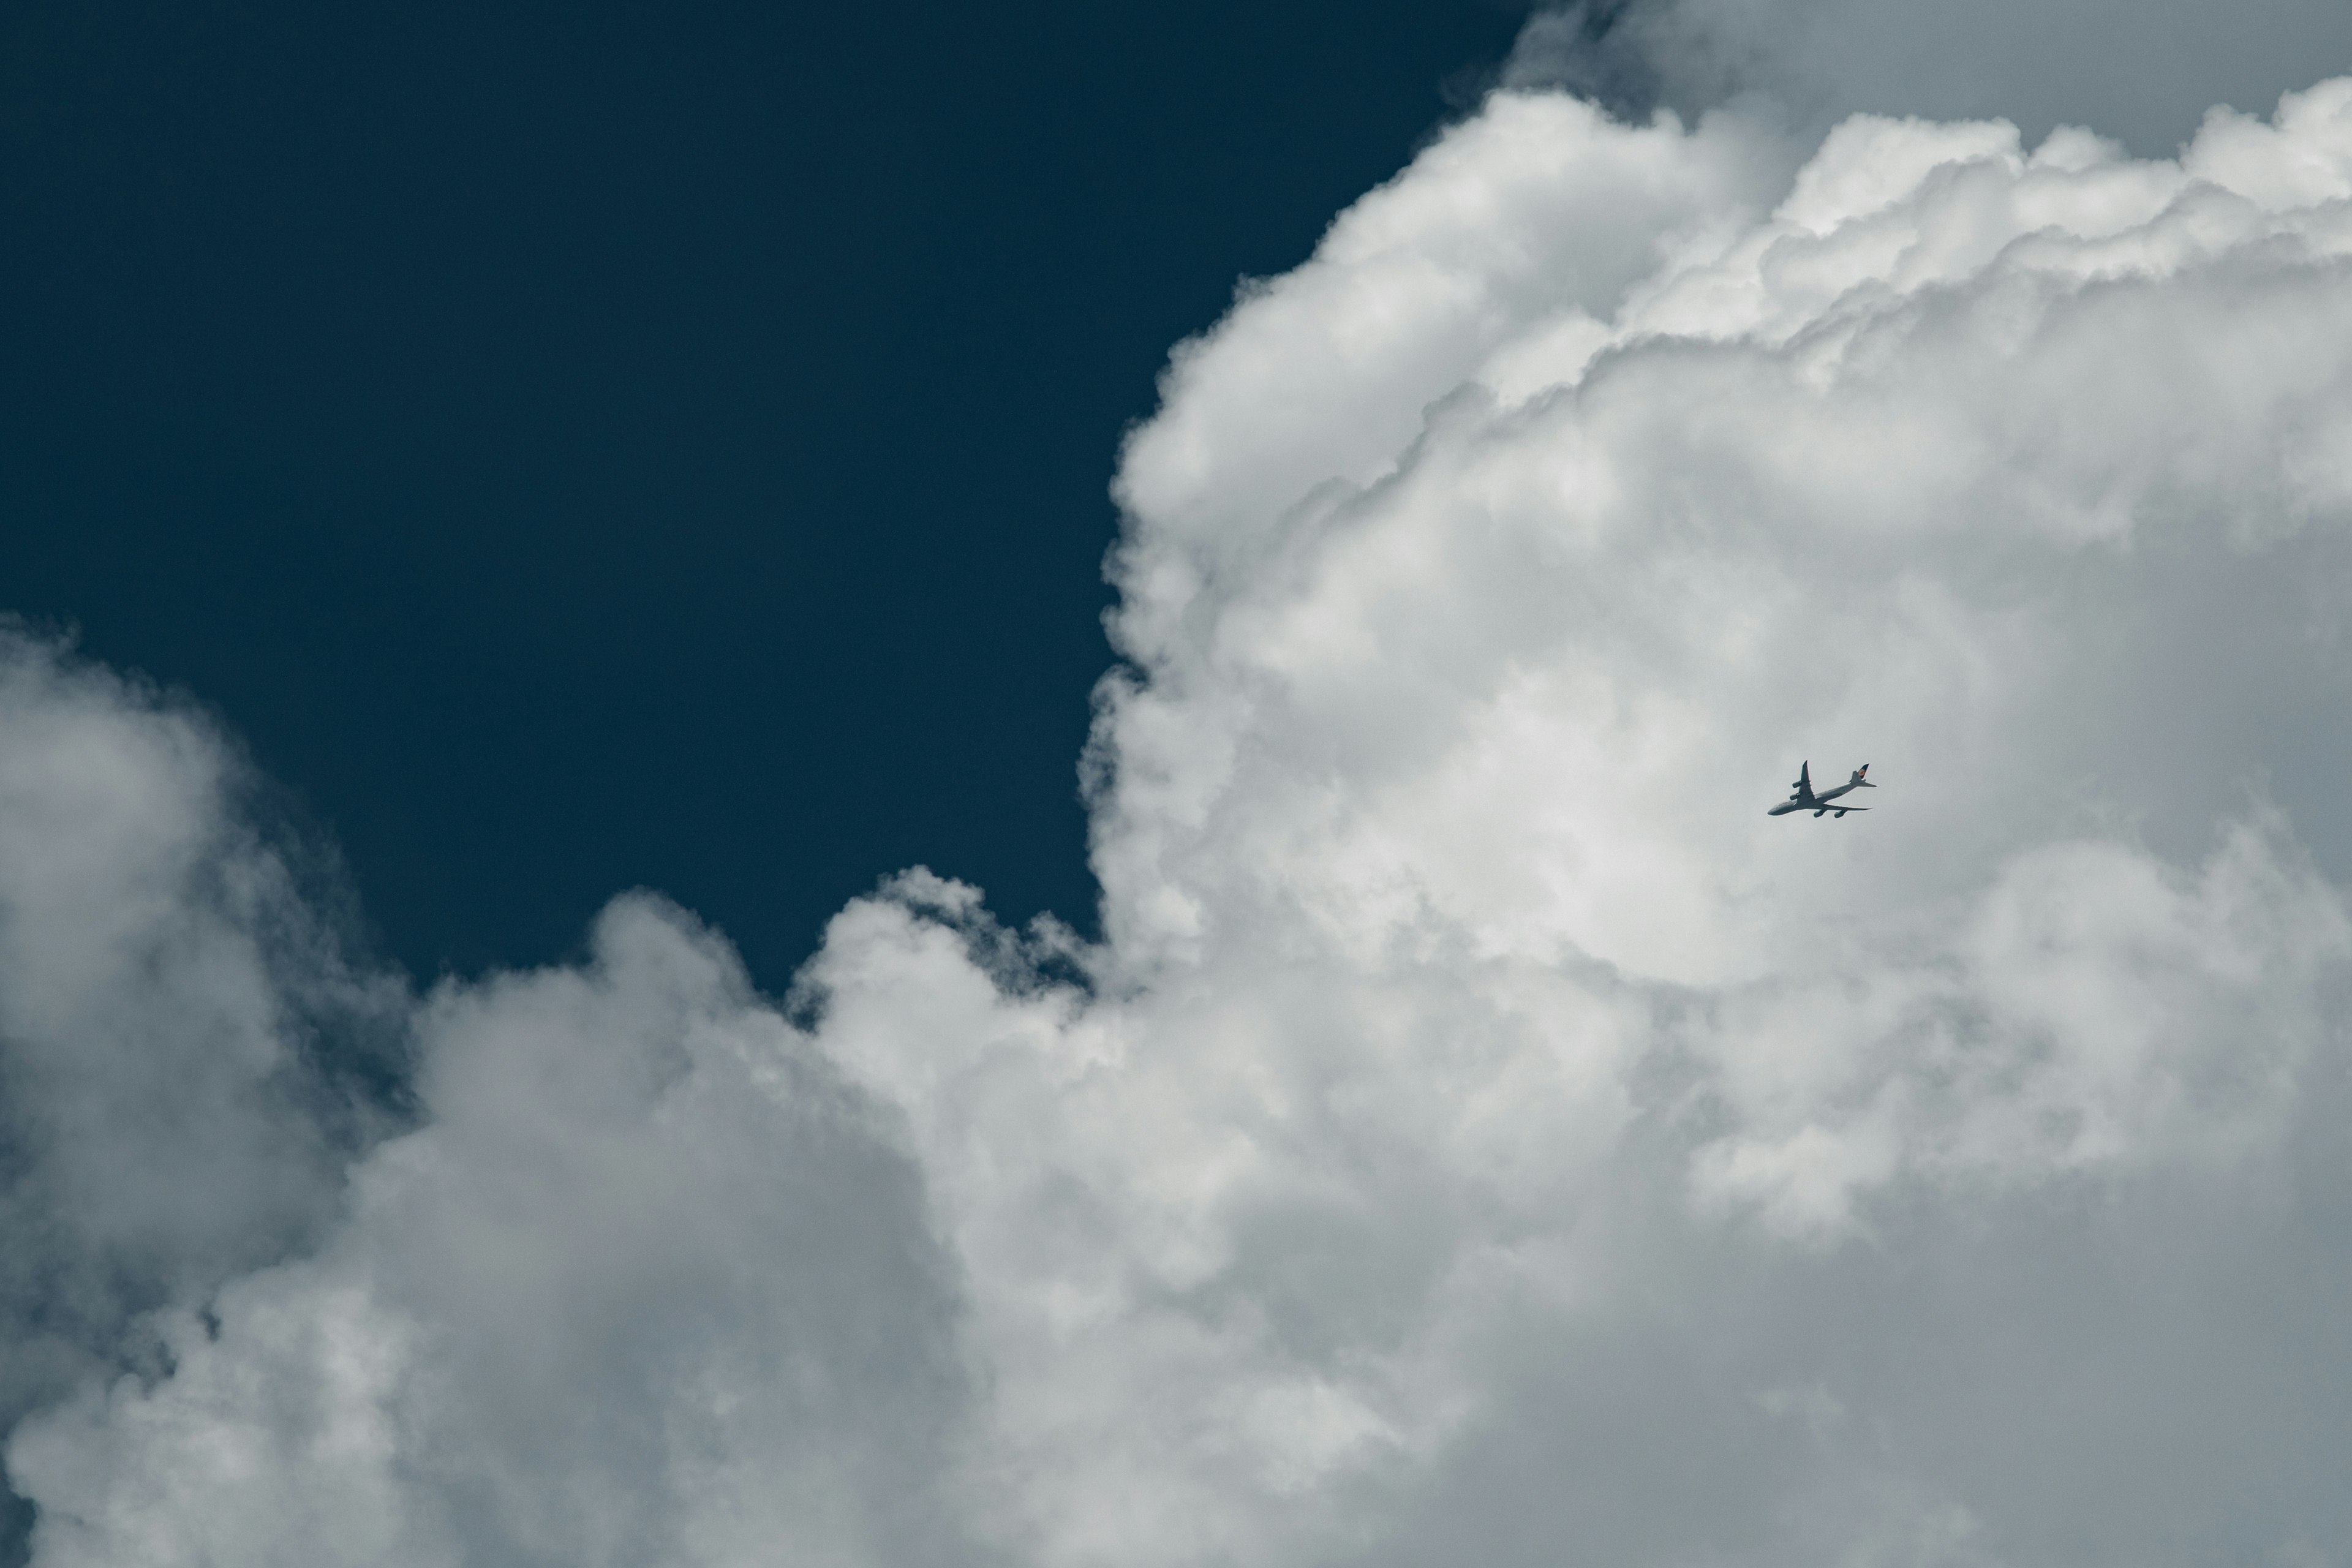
2144,72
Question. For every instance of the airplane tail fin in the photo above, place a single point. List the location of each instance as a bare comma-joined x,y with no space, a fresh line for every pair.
1860,778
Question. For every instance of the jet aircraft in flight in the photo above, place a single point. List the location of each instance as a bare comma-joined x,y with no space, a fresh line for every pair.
1806,800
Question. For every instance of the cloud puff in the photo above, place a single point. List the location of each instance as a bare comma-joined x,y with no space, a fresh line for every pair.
1483,1135
166,984
648,1285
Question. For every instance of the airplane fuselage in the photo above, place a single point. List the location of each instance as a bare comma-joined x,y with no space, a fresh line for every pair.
1815,802
1824,802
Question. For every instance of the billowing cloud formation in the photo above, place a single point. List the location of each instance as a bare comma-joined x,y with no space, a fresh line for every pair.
648,1286
1483,1135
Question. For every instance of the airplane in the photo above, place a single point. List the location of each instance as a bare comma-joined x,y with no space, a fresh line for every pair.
1806,800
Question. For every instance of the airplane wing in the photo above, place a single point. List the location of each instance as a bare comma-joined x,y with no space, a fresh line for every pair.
1804,784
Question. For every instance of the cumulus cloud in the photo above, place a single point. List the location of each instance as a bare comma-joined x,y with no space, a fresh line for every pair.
1482,1134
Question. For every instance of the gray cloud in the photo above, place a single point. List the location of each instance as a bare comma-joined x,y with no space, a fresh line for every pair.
2143,73
649,1285
645,1281
184,1047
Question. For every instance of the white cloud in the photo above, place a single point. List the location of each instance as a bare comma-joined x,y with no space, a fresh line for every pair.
1462,1003
1484,1135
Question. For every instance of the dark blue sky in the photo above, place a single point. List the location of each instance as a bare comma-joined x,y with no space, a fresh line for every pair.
598,444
